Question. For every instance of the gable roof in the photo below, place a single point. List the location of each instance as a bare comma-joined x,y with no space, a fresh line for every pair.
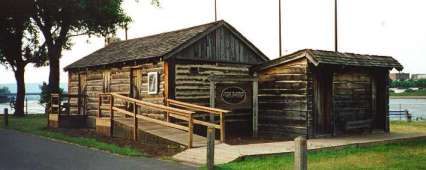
154,46
319,57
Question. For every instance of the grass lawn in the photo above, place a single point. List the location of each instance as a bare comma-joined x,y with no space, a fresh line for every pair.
401,155
36,124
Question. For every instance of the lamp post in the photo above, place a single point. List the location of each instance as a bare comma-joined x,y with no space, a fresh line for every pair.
279,29
335,27
215,10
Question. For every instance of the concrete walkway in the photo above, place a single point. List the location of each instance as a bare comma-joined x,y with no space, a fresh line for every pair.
25,151
225,153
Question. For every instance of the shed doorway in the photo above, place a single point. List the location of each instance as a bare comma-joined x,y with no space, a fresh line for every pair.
135,87
135,83
323,85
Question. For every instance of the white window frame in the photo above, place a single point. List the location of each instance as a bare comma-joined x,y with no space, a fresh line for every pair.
155,81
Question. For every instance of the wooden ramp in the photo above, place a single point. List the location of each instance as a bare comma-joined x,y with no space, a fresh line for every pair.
167,133
175,132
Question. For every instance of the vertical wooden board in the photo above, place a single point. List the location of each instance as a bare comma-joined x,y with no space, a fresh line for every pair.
220,45
166,75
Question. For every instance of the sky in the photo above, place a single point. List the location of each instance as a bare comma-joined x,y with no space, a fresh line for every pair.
383,27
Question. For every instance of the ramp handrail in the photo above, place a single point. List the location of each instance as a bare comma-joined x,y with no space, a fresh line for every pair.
176,109
209,110
185,114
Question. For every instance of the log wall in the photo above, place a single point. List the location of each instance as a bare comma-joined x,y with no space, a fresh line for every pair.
192,84
119,83
283,99
73,90
352,97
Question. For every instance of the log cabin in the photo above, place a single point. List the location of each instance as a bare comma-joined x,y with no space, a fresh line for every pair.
180,65
210,67
319,93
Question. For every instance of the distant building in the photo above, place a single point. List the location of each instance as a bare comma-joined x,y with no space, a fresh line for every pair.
399,76
418,76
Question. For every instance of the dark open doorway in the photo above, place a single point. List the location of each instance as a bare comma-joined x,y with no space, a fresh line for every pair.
323,85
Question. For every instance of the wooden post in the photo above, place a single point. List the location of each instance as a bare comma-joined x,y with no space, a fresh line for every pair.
222,128
6,117
59,104
300,154
135,130
111,105
212,98
190,130
408,116
255,106
99,106
79,94
386,90
26,105
210,147
167,113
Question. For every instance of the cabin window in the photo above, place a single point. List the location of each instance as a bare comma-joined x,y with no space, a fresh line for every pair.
194,70
152,83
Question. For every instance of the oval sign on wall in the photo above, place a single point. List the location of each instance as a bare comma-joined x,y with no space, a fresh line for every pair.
233,95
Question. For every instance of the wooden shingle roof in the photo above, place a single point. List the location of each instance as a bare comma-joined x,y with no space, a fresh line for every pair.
318,57
154,46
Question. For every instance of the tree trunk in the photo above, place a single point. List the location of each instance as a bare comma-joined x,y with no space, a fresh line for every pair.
20,95
54,71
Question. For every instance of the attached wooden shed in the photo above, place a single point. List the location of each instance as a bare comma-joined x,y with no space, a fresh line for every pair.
324,93
172,65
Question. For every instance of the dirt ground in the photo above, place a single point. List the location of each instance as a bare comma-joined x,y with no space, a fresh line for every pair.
150,150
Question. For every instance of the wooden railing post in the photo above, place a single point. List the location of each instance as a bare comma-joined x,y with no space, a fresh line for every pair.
409,117
210,147
300,154
222,128
111,105
167,113
190,130
135,130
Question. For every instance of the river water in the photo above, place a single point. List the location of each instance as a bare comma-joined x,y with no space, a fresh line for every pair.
417,107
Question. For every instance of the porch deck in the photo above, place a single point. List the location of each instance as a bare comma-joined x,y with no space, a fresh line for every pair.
171,134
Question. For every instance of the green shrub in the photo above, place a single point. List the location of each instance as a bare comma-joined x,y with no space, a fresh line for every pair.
45,95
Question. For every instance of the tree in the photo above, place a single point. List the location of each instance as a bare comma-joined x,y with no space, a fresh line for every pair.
4,90
60,20
19,45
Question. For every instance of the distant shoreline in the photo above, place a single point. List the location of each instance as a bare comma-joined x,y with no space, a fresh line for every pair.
407,97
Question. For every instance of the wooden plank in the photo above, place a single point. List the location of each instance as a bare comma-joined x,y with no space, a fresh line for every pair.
199,122
197,107
146,118
153,106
